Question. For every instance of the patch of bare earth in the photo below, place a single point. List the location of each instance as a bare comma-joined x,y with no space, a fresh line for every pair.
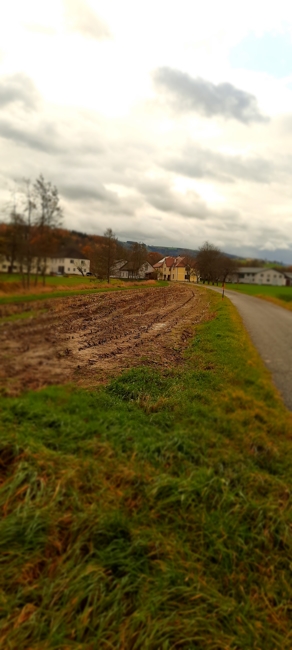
88,339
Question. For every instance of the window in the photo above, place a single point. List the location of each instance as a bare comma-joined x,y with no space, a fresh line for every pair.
68,269
74,269
3,266
71,261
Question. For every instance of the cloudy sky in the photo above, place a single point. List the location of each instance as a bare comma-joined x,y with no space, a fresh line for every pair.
170,122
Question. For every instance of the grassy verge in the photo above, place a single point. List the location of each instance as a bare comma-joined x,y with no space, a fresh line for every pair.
51,280
281,296
154,512
32,297
32,313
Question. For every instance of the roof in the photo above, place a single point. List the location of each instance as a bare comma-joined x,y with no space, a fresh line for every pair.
130,267
73,253
250,269
288,275
170,261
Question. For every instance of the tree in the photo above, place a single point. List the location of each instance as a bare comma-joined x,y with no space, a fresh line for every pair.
153,257
11,241
48,217
190,266
105,255
208,262
80,266
226,267
138,255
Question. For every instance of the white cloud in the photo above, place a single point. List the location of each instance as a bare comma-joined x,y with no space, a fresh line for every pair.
81,17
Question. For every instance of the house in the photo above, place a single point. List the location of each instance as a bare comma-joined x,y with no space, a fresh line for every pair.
288,277
256,275
145,271
175,269
72,265
116,268
60,264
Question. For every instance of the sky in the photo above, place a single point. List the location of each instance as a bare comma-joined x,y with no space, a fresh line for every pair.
169,122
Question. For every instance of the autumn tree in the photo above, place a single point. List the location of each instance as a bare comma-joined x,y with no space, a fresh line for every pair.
11,240
153,257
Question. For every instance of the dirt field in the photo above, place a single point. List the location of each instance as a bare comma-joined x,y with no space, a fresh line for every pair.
88,339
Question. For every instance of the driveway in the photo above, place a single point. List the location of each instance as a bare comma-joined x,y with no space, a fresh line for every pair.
270,328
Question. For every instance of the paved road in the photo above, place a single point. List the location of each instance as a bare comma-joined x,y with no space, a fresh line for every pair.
270,328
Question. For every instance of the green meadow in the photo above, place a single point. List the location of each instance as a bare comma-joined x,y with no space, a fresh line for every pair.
279,295
154,512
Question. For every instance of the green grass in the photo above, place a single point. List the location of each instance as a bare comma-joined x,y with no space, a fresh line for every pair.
32,313
282,294
153,513
51,280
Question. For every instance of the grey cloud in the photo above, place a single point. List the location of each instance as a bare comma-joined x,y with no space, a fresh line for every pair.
94,192
202,96
49,137
18,88
197,162
162,197
88,192
42,138
82,18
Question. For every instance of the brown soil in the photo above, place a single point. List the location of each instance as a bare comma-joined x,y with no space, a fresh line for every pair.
88,339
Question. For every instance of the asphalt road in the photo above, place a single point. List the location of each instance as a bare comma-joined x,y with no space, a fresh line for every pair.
270,328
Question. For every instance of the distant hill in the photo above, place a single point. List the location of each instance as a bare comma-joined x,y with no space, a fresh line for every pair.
173,251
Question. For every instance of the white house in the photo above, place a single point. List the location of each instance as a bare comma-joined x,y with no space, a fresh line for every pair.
60,265
68,265
256,275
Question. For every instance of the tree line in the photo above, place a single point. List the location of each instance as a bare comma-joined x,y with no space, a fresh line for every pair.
29,237
33,234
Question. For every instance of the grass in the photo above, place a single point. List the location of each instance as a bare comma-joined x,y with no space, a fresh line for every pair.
65,293
153,513
51,280
281,296
32,313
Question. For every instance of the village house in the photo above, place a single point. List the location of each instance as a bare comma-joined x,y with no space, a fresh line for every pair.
59,265
126,271
175,269
255,275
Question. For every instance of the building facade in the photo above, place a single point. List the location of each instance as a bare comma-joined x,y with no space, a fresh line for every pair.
175,269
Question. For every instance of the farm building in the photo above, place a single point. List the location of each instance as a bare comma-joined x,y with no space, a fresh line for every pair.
175,269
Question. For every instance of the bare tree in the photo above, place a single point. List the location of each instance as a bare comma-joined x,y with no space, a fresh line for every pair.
48,217
105,255
138,255
226,267
207,260
190,266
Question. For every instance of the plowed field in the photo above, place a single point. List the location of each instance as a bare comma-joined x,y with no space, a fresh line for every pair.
88,339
